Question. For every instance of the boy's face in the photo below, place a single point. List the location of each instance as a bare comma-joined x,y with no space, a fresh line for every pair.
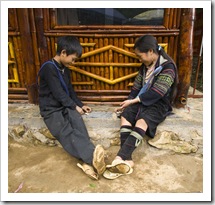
68,60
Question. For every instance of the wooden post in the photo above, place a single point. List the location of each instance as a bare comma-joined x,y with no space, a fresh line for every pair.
27,50
41,39
185,55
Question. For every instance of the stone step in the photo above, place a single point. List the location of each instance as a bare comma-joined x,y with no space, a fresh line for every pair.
103,124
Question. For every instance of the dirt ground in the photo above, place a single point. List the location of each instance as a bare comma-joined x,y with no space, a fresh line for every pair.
39,168
43,169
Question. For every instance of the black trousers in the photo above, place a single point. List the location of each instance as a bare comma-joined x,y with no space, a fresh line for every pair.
68,127
153,115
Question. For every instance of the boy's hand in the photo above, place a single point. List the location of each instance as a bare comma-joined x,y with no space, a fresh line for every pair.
79,110
86,109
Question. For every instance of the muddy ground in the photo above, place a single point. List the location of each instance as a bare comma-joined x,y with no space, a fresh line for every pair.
44,169
38,168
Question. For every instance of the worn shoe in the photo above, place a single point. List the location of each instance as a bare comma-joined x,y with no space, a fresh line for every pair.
88,170
117,168
98,159
113,175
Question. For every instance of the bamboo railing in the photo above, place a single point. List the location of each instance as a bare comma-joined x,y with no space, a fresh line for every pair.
108,66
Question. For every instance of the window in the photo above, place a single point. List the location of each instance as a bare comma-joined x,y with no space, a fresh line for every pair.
110,16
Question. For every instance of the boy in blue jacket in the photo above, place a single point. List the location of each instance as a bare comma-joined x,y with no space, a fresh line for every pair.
62,110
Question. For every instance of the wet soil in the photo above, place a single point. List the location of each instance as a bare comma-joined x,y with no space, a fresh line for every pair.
43,169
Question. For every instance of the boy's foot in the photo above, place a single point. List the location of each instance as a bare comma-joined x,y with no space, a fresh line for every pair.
98,159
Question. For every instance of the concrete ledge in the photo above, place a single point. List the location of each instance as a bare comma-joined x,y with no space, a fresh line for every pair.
103,125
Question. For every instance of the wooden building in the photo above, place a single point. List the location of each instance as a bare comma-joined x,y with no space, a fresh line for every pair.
108,66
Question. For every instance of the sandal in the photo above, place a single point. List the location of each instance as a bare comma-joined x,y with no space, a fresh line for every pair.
98,159
89,171
119,166
117,169
113,175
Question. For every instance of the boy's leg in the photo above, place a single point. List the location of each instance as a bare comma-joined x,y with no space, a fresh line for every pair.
69,129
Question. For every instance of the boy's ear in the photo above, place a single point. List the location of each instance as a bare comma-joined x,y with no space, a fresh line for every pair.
63,52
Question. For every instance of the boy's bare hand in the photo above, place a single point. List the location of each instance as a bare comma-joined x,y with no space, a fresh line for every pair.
86,109
80,110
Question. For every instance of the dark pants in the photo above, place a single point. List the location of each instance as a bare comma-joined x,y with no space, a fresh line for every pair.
153,115
68,127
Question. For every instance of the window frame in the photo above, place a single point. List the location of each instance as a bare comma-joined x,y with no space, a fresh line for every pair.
102,28
103,14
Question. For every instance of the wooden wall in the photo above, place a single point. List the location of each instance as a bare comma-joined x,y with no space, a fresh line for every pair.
108,65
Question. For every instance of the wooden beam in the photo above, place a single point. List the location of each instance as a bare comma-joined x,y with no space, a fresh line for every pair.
27,50
185,55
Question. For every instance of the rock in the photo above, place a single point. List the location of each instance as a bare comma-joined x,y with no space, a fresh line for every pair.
170,140
51,143
105,143
40,137
19,130
94,136
58,143
103,127
47,133
115,142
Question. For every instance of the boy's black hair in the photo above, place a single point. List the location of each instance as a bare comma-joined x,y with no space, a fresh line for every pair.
69,43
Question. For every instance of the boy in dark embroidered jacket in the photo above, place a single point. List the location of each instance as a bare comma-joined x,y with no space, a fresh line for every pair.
61,109
148,104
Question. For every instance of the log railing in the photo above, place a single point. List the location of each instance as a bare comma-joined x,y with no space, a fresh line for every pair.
108,62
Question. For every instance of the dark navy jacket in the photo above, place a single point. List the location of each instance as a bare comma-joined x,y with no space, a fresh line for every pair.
52,94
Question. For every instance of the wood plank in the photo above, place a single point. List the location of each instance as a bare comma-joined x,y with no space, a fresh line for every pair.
17,90
15,96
